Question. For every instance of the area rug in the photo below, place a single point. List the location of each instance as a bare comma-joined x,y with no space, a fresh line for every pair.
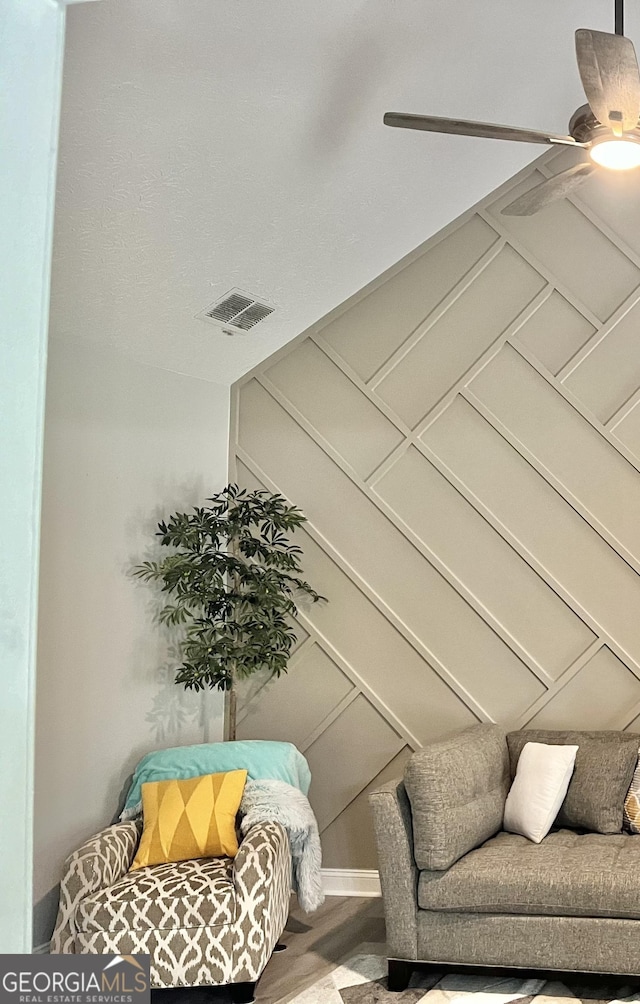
361,979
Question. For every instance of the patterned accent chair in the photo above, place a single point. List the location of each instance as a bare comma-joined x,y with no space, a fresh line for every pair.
204,922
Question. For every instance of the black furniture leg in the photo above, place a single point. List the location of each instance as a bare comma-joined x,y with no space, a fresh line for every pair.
399,975
242,993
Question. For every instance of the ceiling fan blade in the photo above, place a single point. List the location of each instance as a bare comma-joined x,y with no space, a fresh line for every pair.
610,77
486,130
549,190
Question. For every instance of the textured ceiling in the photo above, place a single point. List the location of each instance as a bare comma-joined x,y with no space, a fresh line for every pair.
208,144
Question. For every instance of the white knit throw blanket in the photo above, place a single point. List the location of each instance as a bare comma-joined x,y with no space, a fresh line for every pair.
272,801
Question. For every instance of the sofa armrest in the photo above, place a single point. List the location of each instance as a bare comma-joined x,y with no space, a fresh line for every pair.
262,880
398,872
98,863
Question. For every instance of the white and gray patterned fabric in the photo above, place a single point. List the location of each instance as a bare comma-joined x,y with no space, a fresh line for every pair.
99,863
205,922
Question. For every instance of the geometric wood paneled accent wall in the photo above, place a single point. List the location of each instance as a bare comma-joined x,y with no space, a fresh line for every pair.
464,438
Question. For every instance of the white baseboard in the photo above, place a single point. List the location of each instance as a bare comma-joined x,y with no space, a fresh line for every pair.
351,882
41,949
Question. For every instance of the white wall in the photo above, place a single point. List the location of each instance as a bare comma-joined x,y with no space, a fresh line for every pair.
31,42
125,444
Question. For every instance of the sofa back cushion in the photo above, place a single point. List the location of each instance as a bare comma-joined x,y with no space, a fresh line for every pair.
605,763
457,788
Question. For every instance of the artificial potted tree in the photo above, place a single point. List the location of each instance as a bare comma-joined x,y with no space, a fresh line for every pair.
234,579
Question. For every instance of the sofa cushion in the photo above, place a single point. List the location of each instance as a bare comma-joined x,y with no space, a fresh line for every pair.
457,788
188,894
568,875
605,762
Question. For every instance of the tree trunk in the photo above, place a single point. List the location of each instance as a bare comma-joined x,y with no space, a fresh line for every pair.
231,710
231,694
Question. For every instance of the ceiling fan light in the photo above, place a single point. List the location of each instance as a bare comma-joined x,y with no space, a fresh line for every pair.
617,154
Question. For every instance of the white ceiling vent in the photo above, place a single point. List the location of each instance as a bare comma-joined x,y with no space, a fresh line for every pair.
236,311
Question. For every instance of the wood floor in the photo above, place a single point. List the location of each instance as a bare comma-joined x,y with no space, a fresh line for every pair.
317,942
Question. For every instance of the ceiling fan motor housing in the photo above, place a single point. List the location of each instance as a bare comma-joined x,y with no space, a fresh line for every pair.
584,126
605,150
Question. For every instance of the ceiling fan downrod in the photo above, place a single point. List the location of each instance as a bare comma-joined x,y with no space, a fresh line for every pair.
619,17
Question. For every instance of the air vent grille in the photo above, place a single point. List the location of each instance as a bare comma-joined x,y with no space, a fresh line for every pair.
229,307
236,311
256,312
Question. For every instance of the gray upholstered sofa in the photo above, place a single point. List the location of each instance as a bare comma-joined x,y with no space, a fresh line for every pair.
459,891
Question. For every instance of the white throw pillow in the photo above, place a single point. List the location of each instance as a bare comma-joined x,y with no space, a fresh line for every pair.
538,789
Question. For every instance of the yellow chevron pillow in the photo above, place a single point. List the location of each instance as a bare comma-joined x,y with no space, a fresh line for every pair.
193,818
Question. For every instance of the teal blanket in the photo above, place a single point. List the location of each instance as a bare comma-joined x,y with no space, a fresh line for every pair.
261,758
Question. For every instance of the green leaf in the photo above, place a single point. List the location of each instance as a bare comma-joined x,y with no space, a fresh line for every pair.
234,579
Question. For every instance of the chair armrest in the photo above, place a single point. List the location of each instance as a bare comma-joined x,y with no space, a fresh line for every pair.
398,872
98,863
262,879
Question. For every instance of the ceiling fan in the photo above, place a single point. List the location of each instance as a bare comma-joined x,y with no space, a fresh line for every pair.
607,128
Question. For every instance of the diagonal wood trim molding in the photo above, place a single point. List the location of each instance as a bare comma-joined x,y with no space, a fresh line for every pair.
464,436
